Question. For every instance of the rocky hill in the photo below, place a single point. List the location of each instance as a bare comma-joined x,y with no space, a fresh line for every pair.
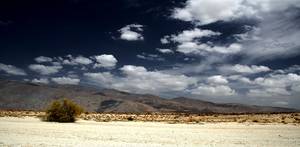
29,96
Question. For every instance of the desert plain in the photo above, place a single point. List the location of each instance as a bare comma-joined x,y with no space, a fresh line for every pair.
27,129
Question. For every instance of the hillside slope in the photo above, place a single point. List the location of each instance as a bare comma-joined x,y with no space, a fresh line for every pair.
29,96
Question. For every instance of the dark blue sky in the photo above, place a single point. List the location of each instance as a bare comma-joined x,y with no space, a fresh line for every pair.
231,51
55,28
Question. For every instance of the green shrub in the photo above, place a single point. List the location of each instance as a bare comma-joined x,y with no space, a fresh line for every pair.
63,111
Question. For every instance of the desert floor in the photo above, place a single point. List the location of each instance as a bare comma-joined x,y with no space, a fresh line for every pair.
30,131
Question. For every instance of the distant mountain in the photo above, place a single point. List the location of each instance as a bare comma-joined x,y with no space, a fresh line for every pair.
29,96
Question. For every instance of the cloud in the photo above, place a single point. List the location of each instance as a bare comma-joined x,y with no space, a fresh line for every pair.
151,57
133,70
217,79
280,33
213,90
280,103
105,79
250,81
209,11
274,34
106,61
76,61
56,63
194,48
296,87
268,92
42,59
66,80
82,60
12,70
44,70
272,5
276,22
251,34
69,62
164,40
189,42
291,69
139,80
206,66
215,86
189,35
278,80
275,85
267,88
132,32
204,11
41,80
238,68
165,51
240,79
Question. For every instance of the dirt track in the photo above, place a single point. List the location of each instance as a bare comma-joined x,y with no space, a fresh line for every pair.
30,131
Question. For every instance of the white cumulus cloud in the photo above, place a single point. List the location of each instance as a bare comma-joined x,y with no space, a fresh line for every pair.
209,11
41,80
106,61
217,79
268,92
132,32
213,90
82,60
189,35
44,70
79,60
138,79
275,85
66,80
203,48
248,69
165,51
42,59
10,69
105,79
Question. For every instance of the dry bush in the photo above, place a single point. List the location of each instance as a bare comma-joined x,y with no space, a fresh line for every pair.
130,118
63,111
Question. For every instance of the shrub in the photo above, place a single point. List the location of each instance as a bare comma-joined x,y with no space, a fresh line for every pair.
63,111
130,118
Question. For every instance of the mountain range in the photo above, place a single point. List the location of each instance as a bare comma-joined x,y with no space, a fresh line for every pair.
17,95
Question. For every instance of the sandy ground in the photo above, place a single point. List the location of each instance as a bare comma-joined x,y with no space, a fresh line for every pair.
30,131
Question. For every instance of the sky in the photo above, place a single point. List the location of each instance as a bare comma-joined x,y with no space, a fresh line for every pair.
229,51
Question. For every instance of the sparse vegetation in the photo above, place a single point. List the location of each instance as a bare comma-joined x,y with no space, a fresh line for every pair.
290,118
130,118
63,111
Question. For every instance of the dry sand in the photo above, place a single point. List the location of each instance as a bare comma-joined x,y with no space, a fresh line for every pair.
30,131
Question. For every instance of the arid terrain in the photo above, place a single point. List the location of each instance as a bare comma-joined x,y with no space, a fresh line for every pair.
116,118
16,95
285,118
150,73
30,131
